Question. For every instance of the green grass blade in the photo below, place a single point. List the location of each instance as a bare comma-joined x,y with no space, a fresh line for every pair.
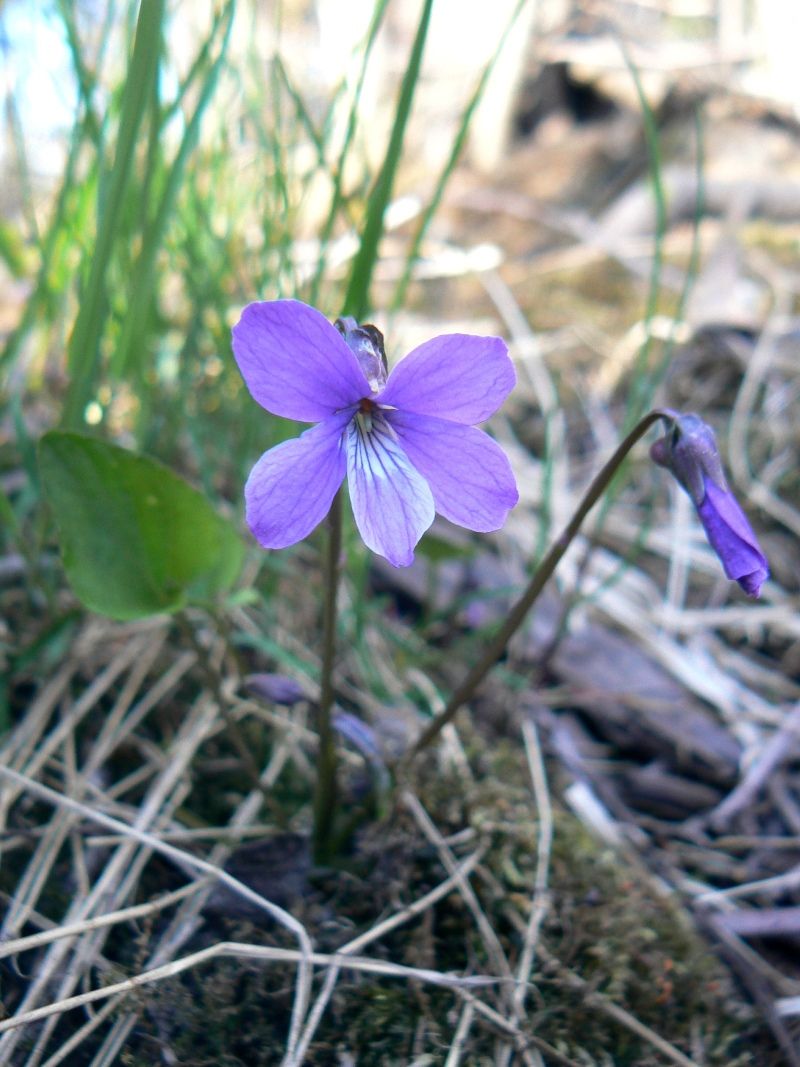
640,397
455,154
694,253
42,290
84,345
356,300
134,329
84,74
337,198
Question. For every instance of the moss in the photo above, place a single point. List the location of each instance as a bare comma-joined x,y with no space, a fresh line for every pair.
606,932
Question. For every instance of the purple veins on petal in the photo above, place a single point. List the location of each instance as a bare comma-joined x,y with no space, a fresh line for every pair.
291,488
392,503
294,362
456,377
468,473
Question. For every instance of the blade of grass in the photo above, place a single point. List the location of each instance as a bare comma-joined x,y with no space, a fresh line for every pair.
647,381
84,73
337,197
694,253
455,154
642,388
16,139
55,267
658,373
84,345
356,301
134,328
43,290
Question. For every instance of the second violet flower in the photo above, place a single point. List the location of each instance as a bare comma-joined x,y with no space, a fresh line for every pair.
689,450
406,441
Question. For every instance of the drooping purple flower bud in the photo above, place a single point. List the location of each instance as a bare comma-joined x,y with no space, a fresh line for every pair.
689,450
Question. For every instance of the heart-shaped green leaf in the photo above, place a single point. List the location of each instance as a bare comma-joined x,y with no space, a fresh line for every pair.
135,538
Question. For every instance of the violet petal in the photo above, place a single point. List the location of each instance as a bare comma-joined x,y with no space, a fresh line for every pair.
689,449
456,377
468,473
294,362
392,504
291,487
732,538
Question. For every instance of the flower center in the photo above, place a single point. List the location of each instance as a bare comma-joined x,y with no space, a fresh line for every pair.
364,415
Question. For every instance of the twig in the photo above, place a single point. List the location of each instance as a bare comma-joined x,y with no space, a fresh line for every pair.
96,1019
241,950
136,911
184,923
541,897
186,858
749,967
490,939
460,1036
781,746
212,680
417,907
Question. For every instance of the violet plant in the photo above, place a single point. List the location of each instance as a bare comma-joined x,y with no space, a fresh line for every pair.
407,442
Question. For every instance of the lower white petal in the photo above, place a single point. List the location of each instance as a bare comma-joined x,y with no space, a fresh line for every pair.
392,503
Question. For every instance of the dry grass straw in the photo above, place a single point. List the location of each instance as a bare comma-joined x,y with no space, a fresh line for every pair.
73,948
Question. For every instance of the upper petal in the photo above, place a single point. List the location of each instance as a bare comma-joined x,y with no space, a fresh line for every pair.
469,474
291,487
732,538
294,362
392,504
456,376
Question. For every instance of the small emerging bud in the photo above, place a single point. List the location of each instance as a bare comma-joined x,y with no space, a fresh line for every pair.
689,450
366,343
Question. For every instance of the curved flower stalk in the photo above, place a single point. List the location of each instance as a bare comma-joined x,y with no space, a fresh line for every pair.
406,441
689,450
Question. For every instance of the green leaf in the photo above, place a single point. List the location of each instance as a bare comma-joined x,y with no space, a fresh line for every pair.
135,538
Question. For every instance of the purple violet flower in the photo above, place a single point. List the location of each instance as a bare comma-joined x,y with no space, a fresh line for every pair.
689,450
406,441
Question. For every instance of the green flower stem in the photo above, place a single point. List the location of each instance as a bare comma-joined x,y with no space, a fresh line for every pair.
325,789
494,650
